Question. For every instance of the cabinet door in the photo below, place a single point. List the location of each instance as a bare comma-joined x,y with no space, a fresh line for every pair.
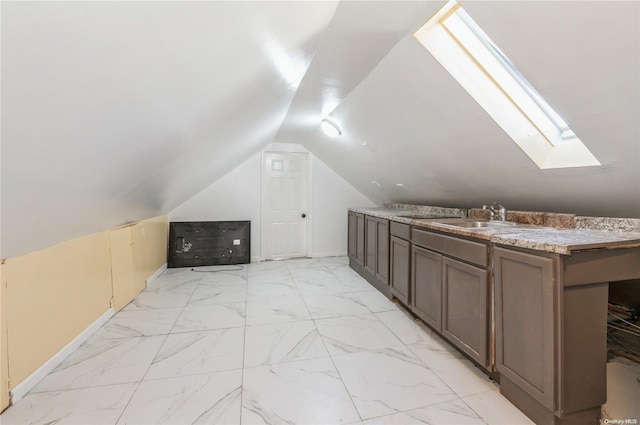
426,286
382,250
465,293
524,322
352,227
400,266
360,239
370,244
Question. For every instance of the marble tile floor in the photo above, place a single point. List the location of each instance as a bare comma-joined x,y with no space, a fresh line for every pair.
303,341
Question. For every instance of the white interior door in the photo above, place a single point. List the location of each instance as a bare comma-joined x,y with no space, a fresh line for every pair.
284,205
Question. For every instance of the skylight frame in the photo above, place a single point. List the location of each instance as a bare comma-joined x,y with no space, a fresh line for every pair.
487,74
560,124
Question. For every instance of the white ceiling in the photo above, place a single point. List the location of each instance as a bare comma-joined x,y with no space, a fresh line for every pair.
117,111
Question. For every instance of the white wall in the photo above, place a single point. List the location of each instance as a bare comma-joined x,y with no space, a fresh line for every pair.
236,196
331,195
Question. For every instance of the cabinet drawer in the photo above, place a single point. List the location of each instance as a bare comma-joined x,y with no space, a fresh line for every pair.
403,231
473,252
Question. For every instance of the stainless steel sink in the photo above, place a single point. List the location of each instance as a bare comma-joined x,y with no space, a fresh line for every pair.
486,224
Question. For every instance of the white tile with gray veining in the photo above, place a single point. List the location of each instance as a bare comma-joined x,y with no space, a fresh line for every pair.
301,392
202,317
279,276
281,343
87,406
198,399
193,353
353,283
454,412
174,279
299,341
103,362
322,306
405,327
223,279
350,334
456,371
312,275
494,409
276,308
333,263
216,294
387,382
329,286
376,301
163,297
284,286
147,322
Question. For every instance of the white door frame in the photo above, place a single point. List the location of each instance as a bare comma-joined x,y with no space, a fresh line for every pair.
283,148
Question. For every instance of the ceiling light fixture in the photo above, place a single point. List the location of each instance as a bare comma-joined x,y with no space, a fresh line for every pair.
330,128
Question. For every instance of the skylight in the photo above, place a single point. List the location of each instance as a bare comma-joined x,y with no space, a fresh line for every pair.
484,71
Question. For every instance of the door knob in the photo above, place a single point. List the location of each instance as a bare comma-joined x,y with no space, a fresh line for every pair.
303,215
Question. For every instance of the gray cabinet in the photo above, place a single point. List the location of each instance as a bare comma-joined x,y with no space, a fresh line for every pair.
465,320
450,290
550,310
355,239
376,248
352,236
382,250
551,325
400,264
524,322
426,286
360,239
370,244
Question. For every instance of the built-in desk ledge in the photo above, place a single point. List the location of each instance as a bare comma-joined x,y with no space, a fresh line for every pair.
564,241
549,232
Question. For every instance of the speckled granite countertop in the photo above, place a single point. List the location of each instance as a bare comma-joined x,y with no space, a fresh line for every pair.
568,234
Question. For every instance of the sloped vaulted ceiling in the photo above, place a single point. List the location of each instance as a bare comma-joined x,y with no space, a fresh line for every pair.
117,111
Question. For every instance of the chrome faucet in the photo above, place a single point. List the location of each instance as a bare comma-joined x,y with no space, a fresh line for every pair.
496,209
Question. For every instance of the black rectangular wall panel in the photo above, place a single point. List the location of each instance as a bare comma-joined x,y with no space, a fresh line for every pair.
209,243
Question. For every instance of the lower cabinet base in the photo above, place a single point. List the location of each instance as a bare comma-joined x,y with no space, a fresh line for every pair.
374,281
493,375
540,414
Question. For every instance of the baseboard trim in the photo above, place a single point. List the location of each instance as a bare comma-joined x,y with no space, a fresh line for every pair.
157,274
329,254
20,390
315,255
